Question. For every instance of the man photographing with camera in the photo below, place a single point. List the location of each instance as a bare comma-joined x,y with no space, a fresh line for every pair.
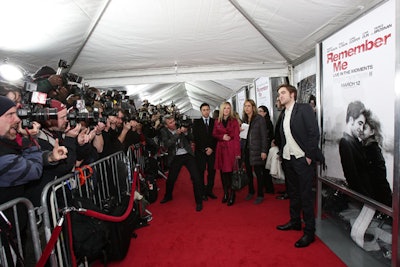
177,141
55,130
20,164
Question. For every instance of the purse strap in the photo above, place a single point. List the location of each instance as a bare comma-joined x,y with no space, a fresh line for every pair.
237,165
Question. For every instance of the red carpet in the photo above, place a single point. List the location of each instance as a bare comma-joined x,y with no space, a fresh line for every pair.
241,235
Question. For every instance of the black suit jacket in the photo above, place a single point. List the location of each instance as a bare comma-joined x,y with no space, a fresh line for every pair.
304,128
202,137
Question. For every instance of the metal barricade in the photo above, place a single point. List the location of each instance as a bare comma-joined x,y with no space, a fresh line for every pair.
11,215
137,154
105,181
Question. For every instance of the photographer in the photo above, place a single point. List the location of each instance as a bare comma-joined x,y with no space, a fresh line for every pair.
12,93
20,164
47,81
177,141
53,130
115,132
90,144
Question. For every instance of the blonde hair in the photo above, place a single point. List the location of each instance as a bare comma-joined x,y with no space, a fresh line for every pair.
221,111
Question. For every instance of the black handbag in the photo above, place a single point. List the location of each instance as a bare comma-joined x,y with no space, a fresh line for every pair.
239,177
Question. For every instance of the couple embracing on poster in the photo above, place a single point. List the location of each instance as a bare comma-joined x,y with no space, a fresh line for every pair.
364,165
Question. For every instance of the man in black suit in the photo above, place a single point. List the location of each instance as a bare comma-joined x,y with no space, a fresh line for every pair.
205,146
180,153
352,155
299,147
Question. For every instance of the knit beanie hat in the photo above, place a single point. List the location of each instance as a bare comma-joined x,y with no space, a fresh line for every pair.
5,104
58,105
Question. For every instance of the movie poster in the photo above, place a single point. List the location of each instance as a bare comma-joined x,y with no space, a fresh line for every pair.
241,97
263,93
358,73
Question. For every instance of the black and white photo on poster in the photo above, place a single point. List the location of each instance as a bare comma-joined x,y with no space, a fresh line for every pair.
307,91
358,75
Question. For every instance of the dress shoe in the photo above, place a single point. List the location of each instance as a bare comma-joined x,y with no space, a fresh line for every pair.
225,198
199,207
283,196
165,200
289,226
304,241
269,191
205,198
231,199
249,196
258,200
211,195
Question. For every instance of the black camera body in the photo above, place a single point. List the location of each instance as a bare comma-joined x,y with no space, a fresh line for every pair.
91,119
184,121
69,78
40,115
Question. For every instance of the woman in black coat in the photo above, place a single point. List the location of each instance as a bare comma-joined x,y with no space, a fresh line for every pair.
376,167
255,148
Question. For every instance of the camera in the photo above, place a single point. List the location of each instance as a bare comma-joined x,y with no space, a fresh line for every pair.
183,121
62,64
72,78
67,77
39,115
91,119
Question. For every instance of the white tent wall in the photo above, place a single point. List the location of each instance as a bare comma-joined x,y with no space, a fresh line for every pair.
120,43
183,51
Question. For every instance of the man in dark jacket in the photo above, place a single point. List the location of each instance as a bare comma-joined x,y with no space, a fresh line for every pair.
352,155
53,132
205,149
19,164
299,148
180,153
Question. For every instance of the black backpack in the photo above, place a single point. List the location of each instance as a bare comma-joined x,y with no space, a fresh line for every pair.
90,236
95,239
121,233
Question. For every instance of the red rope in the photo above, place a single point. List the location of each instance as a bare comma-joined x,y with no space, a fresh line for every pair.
57,230
111,218
50,245
70,242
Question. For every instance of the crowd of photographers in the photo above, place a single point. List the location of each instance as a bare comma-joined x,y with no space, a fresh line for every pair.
56,123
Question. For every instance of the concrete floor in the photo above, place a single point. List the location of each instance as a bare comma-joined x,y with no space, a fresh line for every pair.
334,234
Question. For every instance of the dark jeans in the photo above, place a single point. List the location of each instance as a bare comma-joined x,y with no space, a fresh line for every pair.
189,162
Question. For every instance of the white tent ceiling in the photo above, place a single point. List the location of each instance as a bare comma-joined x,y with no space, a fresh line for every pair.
186,51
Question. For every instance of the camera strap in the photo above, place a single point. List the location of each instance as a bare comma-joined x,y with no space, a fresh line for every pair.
46,137
33,140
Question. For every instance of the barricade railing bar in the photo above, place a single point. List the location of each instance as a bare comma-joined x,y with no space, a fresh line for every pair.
11,214
104,182
357,196
66,212
138,153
